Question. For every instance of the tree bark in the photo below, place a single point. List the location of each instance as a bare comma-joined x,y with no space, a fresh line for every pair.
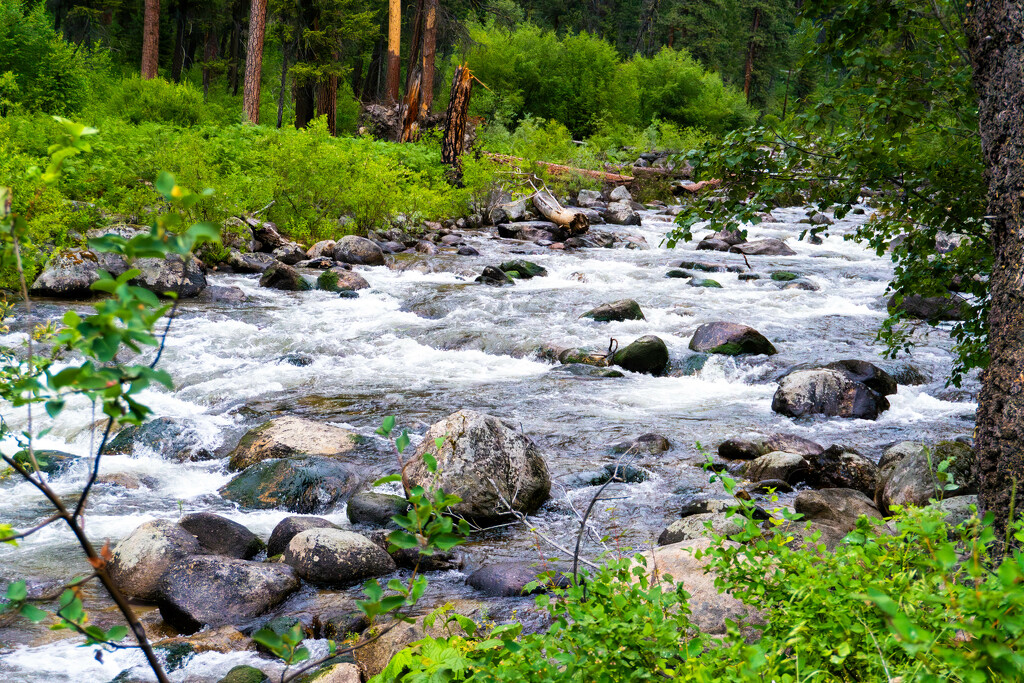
327,101
394,47
455,121
997,54
210,49
371,86
151,39
574,221
254,61
305,104
181,25
411,110
429,55
284,84
749,72
236,37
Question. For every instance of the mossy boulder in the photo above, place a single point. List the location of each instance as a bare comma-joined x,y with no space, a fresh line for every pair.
280,276
784,276
245,674
648,354
617,311
730,339
525,270
705,282
307,485
289,436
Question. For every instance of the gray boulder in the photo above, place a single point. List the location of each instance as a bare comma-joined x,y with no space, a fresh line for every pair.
376,509
908,473
766,247
826,392
623,309
836,507
621,213
648,354
509,579
167,437
283,277
587,198
839,468
335,557
323,248
931,308
483,460
695,526
69,274
731,339
358,251
788,467
140,561
249,262
341,279
289,253
651,444
289,527
216,591
751,448
306,485
222,536
284,437
182,276
620,193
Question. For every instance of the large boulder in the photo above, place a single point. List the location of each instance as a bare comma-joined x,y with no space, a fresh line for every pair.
931,308
621,213
323,248
358,251
908,473
284,437
168,437
284,277
266,234
375,509
696,526
69,274
140,561
826,392
868,374
289,527
334,557
509,579
306,485
788,467
623,309
246,262
620,193
222,536
340,279
215,591
484,461
838,507
290,253
766,247
840,468
648,354
751,448
521,269
731,339
171,274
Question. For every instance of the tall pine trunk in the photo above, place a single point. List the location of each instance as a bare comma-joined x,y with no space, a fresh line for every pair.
327,100
210,52
254,60
394,47
749,71
151,39
284,85
181,26
994,31
429,55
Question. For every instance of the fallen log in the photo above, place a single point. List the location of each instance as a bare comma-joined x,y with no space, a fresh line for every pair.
573,220
694,188
558,169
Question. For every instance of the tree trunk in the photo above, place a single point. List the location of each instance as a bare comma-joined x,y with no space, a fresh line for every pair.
371,86
394,47
236,31
411,110
414,47
305,104
574,221
429,54
254,61
455,121
750,54
997,54
151,39
327,101
178,58
284,85
210,48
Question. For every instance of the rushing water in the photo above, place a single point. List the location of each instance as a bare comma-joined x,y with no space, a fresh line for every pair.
421,345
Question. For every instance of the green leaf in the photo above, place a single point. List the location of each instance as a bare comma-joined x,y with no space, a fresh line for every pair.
386,426
54,407
388,479
33,613
402,442
164,184
431,462
17,591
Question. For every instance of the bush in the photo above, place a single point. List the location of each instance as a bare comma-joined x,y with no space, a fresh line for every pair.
136,100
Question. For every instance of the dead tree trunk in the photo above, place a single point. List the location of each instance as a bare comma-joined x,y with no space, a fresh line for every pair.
455,121
573,220
411,110
993,38
151,39
254,61
394,46
429,55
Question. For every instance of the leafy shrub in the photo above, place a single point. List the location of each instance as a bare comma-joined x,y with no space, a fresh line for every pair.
136,100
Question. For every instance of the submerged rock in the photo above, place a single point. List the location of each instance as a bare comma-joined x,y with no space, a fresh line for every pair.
484,461
168,437
288,436
509,579
494,277
648,354
523,270
731,339
307,485
623,309
645,443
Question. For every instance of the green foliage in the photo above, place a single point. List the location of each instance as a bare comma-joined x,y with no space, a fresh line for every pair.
900,119
137,100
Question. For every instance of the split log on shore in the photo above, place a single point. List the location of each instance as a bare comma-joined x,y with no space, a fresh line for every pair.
558,169
694,188
573,220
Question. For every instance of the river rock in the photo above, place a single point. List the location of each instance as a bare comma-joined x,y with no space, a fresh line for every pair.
140,561
695,526
375,509
323,248
289,527
509,579
495,277
711,244
730,237
346,280
334,557
648,354
306,485
168,437
837,507
731,339
55,463
621,213
215,591
958,509
789,467
704,282
358,251
620,193
651,444
343,672
868,374
931,308
266,234
766,247
243,673
707,267
410,558
289,253
480,454
840,468
69,274
284,437
623,309
222,536
587,198
507,212
249,262
183,276
219,294
826,392
749,449
906,477
280,276
522,269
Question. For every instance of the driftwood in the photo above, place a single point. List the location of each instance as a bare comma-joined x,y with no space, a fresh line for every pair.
694,188
558,169
573,220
